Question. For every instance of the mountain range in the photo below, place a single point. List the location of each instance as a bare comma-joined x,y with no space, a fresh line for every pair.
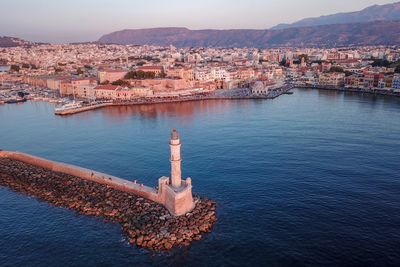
368,33
375,25
6,41
372,13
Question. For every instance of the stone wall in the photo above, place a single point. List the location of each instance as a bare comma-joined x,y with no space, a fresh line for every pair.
178,203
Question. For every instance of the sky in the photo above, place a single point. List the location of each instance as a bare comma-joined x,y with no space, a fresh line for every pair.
61,21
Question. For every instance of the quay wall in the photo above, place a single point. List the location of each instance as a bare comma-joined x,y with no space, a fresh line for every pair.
375,91
82,109
144,223
162,101
178,204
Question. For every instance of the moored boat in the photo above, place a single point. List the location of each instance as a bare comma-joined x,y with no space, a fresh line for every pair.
15,100
69,106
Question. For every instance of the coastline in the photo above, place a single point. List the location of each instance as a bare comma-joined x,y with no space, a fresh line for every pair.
376,91
150,101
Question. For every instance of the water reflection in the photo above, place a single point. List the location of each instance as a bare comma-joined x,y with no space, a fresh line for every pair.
183,110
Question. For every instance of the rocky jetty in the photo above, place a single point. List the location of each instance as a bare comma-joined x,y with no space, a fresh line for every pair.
145,223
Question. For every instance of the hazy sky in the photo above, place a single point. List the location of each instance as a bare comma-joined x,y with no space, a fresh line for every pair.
87,20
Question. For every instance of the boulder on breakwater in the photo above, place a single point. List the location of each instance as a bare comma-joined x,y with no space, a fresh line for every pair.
145,223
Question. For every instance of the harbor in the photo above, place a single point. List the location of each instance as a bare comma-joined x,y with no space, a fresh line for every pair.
75,107
233,150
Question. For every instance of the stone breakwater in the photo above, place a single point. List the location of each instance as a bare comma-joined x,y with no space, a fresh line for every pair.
145,223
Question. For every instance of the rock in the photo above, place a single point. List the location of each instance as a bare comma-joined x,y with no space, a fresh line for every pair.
145,223
139,240
168,246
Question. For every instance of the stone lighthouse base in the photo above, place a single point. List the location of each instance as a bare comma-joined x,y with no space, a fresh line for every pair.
178,200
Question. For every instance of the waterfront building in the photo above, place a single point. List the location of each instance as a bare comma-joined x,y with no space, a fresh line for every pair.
86,91
85,86
162,85
371,79
106,92
53,83
180,72
66,87
111,75
355,80
246,73
202,75
396,81
4,69
331,79
141,91
259,89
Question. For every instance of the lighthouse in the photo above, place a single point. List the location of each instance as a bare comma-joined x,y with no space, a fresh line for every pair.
175,145
174,192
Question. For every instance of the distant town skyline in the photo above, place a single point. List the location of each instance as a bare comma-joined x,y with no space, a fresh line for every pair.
86,20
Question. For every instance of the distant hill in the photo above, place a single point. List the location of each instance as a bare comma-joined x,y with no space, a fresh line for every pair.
6,41
369,33
372,13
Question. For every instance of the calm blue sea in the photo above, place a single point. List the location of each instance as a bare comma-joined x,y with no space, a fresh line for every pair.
309,179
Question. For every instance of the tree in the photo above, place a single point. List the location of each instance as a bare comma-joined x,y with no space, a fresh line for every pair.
336,69
15,68
319,62
121,83
348,73
140,75
140,63
162,74
380,63
305,56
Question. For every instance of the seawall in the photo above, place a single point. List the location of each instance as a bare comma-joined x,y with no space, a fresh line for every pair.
150,101
145,221
82,109
98,177
178,204
372,91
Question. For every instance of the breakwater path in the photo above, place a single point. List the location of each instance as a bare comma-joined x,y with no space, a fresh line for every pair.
145,223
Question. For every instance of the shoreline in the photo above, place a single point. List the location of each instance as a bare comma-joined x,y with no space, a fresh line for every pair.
376,91
145,223
150,101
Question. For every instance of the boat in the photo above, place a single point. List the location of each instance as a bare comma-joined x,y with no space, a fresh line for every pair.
288,93
15,100
69,106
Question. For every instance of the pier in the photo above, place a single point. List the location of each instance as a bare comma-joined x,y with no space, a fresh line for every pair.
82,109
168,215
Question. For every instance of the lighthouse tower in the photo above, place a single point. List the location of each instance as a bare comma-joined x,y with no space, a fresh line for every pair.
174,192
175,145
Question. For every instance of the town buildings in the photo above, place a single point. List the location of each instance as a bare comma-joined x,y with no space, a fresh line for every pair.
94,71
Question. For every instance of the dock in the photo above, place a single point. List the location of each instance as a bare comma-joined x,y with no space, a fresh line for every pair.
82,109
